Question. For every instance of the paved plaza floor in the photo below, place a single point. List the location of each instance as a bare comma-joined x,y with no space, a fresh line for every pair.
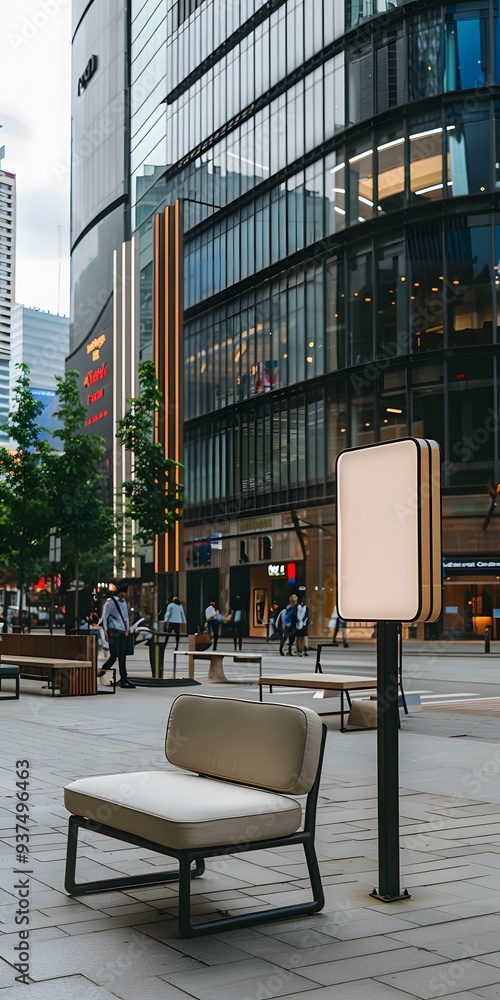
443,941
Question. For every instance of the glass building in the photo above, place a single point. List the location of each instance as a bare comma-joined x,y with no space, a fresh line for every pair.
339,170
100,212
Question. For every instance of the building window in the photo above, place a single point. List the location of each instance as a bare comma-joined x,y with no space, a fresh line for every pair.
426,278
360,76
391,175
426,164
466,48
361,309
425,64
361,186
391,72
469,286
469,153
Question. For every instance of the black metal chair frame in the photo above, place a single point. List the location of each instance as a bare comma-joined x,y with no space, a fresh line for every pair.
10,673
188,857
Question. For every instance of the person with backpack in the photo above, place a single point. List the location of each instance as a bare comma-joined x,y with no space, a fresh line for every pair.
288,623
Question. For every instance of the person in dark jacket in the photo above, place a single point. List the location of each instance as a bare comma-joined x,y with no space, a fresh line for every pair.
238,621
288,623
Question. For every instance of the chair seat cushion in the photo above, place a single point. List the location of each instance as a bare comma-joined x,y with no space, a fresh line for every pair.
183,810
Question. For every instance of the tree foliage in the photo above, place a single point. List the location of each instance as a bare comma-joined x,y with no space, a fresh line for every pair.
154,500
24,498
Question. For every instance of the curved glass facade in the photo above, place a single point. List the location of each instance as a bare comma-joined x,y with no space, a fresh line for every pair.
340,167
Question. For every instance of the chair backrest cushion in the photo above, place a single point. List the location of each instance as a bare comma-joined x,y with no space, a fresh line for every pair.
275,747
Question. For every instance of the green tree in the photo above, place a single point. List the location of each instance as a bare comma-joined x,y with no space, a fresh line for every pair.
154,500
24,498
79,515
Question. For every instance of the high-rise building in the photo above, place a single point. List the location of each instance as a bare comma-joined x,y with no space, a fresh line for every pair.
99,196
41,340
314,189
7,285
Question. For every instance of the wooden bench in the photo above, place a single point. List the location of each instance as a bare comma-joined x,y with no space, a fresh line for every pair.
67,662
322,682
216,673
69,677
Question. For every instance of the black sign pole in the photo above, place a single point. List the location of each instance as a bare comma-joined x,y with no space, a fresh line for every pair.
388,763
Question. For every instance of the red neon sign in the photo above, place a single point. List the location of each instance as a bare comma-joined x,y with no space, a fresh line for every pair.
98,416
96,375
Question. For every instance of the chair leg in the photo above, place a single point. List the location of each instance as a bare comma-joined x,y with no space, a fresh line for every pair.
75,888
314,875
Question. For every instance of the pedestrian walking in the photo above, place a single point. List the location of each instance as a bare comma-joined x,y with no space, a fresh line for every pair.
213,619
274,612
288,622
301,628
174,617
340,625
115,619
237,621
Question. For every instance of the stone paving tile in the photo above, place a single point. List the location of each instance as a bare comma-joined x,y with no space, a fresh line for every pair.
66,988
114,955
309,951
428,936
364,989
246,980
341,971
473,908
470,945
493,958
491,992
152,988
451,979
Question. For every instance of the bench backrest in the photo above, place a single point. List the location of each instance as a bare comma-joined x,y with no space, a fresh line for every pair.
64,647
276,747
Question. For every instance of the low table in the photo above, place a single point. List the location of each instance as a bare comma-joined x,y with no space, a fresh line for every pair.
322,682
216,673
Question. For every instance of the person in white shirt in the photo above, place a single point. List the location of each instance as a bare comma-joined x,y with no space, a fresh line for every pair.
175,617
212,620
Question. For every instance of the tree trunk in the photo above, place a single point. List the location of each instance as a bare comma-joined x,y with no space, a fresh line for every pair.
77,584
21,591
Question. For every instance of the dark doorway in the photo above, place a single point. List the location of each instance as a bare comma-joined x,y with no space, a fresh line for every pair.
202,587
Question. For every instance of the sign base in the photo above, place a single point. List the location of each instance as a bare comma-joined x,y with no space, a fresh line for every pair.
390,899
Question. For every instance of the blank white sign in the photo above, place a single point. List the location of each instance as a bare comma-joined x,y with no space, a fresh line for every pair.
379,532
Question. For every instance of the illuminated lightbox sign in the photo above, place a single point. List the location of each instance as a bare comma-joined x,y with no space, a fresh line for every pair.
389,561
466,564
276,569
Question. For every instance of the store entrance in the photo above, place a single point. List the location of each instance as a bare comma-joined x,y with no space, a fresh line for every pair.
471,606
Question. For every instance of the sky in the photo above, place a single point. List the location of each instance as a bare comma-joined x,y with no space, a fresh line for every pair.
35,111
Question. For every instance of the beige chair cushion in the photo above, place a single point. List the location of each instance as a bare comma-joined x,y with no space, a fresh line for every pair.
252,743
181,810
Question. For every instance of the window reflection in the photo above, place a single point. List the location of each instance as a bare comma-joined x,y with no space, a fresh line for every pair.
470,271
361,308
391,175
361,186
426,165
466,47
392,299
335,192
469,155
426,278
393,416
